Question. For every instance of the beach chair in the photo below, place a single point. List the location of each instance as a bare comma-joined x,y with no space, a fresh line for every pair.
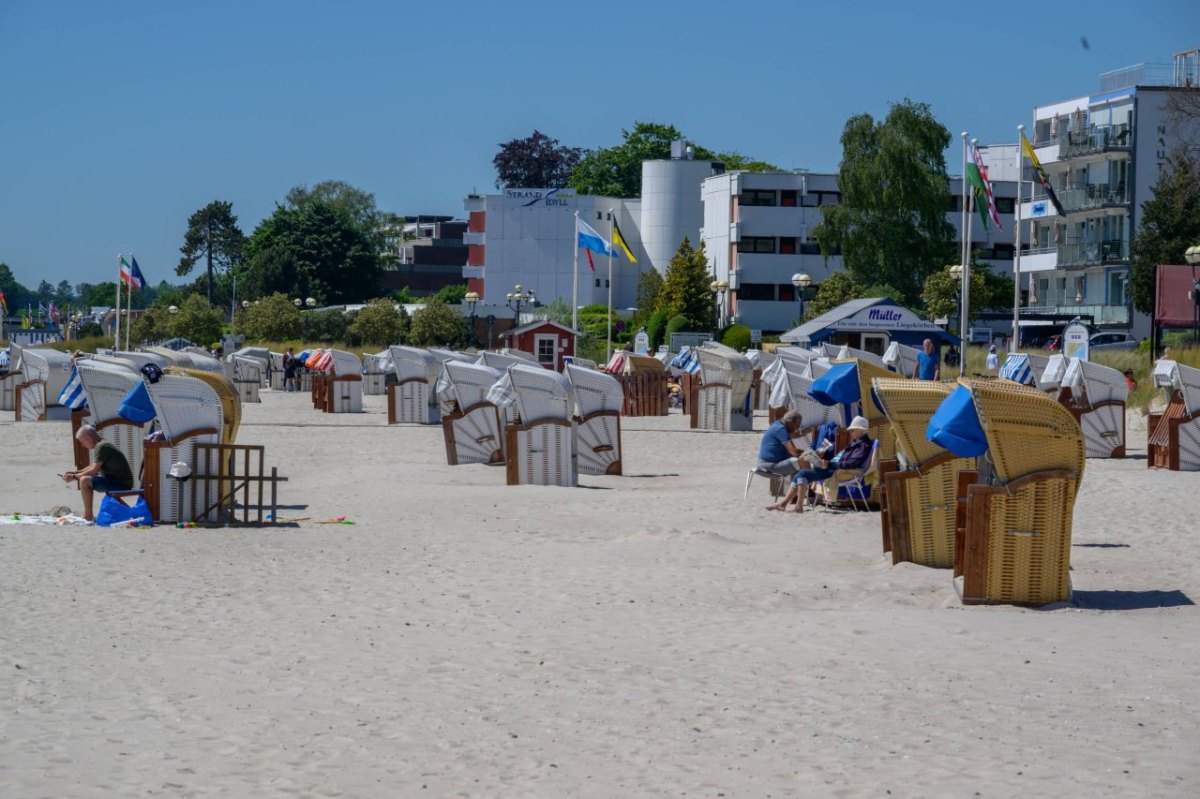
1174,437
499,361
58,370
1017,368
901,359
869,406
853,486
471,425
169,357
644,384
247,377
721,401
231,404
276,372
106,385
918,501
540,445
599,398
343,383
30,393
376,368
1014,545
137,358
522,355
442,355
1095,395
585,363
412,399
188,411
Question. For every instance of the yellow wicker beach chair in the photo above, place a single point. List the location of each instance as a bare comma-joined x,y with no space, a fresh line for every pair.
919,522
1016,543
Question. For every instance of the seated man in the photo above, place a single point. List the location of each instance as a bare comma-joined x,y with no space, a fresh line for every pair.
109,470
855,455
777,453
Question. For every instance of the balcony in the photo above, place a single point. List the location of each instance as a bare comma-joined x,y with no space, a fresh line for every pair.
1092,253
1096,139
1100,314
1097,195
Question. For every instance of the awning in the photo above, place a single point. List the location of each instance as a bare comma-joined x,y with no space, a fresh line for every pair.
955,425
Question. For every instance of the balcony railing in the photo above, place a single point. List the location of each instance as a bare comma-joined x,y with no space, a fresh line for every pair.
1096,139
1092,253
1100,314
1097,195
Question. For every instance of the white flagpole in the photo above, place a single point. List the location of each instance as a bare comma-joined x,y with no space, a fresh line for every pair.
117,329
962,230
129,304
575,282
965,234
964,333
1016,333
608,345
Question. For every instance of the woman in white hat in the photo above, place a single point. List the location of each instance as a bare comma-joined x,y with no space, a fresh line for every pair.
854,455
993,360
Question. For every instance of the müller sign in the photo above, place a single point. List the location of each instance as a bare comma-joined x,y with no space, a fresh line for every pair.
886,318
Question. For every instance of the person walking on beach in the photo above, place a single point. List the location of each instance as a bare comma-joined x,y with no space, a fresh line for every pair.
289,370
929,363
993,360
108,471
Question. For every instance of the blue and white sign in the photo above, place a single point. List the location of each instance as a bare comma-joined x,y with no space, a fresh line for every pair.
1039,209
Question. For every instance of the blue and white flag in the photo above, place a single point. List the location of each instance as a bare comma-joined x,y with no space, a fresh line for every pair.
72,395
590,240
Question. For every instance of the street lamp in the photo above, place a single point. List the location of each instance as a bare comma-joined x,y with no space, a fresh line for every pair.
472,298
1192,256
517,300
801,281
718,288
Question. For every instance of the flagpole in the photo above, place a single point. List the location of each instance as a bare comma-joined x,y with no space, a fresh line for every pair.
117,328
575,281
129,304
966,257
1016,339
608,345
966,281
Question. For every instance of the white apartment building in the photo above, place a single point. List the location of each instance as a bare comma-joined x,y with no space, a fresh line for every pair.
1103,154
758,233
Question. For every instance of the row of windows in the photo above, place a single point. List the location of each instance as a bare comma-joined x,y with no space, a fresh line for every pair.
787,198
772,292
783,245
1004,205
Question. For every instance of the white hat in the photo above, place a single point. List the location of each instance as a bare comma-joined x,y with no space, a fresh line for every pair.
180,471
859,423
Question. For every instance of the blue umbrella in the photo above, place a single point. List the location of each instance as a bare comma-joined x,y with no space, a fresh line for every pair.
838,386
955,425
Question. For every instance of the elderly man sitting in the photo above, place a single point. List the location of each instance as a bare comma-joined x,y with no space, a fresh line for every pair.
777,453
108,471
854,455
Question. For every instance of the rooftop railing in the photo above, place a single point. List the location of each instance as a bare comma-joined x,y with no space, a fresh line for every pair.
1137,75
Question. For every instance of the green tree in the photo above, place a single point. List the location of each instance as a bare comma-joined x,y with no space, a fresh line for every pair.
685,289
380,323
736,336
836,289
63,295
890,225
557,310
452,294
941,293
271,318
649,295
15,295
151,326
1170,224
328,326
656,328
356,204
196,320
102,294
675,324
212,234
617,171
437,325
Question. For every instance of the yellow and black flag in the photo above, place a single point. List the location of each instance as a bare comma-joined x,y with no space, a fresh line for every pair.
618,243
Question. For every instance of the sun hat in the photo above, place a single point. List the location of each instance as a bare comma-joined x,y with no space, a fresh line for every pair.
859,423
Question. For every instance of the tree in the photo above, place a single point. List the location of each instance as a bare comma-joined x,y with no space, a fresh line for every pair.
15,295
328,326
536,161
1170,224
452,294
617,171
101,294
63,295
381,323
736,336
45,292
437,325
890,224
153,325
358,205
271,318
836,289
941,292
196,320
649,295
213,234
685,289
656,327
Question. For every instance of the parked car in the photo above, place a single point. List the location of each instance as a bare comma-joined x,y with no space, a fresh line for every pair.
1103,342
1054,343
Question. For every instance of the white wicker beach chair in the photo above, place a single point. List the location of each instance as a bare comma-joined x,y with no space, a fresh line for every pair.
1047,372
376,368
598,399
169,357
1095,395
499,361
442,354
722,400
138,358
9,381
30,393
901,358
1174,439
528,357
58,371
189,412
345,384
203,361
106,385
247,377
471,424
540,447
412,399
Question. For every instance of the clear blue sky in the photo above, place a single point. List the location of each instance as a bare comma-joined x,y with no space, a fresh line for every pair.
122,118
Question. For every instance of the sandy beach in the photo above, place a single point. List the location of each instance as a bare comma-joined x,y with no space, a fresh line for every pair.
645,635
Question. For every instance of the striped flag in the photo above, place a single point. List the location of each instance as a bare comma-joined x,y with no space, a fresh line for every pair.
1027,149
1016,368
72,395
977,175
687,361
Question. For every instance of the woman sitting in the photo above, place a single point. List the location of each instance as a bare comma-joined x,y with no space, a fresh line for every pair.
855,455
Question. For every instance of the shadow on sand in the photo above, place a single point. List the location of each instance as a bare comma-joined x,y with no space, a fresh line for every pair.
1129,600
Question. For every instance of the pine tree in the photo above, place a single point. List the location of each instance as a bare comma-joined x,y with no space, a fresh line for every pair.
1170,224
685,291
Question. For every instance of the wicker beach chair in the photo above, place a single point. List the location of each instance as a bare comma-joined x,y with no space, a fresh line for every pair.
527,357
231,404
138,358
58,370
343,386
30,392
442,354
870,407
918,517
376,368
1095,395
247,377
168,357
1018,369
276,372
722,400
1015,542
106,385
901,358
412,399
471,425
499,361
189,412
1174,437
586,363
599,398
540,445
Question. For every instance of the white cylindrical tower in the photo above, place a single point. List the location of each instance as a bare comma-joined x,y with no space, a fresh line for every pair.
671,206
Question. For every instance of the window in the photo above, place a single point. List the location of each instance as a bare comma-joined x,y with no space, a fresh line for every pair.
787,245
787,292
757,197
756,291
601,280
810,248
756,244
787,198
547,349
1005,205
955,205
830,197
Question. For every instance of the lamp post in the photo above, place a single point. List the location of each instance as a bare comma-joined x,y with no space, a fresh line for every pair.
517,300
300,304
801,281
1192,256
718,289
956,272
471,299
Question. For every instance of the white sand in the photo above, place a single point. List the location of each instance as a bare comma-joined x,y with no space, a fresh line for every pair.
646,635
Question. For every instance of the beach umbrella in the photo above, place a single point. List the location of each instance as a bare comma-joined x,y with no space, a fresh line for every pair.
955,425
